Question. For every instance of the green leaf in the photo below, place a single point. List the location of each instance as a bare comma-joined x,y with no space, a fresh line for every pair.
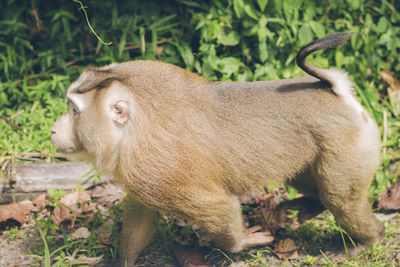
67,30
187,54
305,34
291,9
208,70
357,40
154,37
228,65
353,4
56,195
262,4
250,10
161,23
122,43
393,43
339,58
230,39
317,28
214,29
320,61
238,6
263,51
382,25
47,262
262,30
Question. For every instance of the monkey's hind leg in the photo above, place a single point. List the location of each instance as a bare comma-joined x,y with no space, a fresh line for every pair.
138,226
343,190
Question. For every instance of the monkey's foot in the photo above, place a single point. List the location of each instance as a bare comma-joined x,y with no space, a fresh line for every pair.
339,255
254,237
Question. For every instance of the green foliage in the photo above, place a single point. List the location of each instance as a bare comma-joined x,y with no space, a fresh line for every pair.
56,195
45,44
311,260
46,246
62,255
311,237
58,248
14,233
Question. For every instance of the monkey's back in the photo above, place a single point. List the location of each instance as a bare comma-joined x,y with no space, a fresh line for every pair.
274,130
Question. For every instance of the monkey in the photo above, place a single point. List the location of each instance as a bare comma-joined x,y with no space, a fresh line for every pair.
188,146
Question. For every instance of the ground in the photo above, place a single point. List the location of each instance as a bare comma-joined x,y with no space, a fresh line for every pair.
16,246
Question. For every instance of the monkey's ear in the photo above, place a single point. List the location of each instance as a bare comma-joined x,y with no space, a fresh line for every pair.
121,112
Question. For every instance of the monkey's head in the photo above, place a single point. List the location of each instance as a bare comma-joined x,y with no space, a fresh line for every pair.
100,112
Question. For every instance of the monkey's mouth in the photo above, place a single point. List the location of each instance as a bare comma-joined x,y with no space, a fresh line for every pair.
80,155
66,147
69,150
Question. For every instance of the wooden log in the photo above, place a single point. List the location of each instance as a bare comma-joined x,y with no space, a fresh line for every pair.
29,179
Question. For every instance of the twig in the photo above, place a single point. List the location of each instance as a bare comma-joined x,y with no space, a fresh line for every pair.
14,126
39,155
16,114
35,14
88,23
384,130
137,47
38,75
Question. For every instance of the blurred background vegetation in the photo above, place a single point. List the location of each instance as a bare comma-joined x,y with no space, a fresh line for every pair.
44,45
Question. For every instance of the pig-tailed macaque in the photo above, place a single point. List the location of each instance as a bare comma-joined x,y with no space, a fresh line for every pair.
187,146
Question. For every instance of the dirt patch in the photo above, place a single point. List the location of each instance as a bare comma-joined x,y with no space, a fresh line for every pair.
16,252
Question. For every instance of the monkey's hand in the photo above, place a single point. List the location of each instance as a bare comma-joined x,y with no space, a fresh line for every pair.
253,236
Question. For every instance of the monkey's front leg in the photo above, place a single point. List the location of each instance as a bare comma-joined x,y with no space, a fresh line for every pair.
138,227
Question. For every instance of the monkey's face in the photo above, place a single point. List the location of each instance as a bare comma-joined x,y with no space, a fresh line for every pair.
99,116
63,133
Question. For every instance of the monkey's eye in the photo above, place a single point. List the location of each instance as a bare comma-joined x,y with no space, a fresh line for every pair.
74,110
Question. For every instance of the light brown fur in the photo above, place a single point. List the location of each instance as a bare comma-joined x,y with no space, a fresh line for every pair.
191,147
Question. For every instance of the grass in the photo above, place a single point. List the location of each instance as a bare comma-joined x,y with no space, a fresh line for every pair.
316,238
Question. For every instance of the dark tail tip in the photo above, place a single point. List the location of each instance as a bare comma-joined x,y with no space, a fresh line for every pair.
329,41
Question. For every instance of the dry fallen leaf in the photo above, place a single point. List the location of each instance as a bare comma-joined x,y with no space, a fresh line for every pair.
12,211
104,235
39,203
80,233
255,197
190,257
269,216
390,199
393,90
107,194
91,261
71,205
256,237
286,249
19,212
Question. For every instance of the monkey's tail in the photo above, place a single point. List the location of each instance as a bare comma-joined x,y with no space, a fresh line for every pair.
339,82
